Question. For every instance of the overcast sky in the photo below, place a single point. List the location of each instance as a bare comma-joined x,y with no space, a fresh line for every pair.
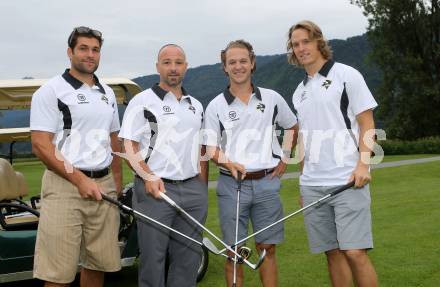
34,33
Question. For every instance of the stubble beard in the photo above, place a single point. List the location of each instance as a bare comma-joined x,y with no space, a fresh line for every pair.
81,68
173,83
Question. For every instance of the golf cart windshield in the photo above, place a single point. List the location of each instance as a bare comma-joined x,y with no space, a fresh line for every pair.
17,94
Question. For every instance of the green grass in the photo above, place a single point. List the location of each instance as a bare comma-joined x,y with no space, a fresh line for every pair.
33,170
405,210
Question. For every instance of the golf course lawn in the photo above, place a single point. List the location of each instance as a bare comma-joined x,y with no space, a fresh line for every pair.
405,210
33,170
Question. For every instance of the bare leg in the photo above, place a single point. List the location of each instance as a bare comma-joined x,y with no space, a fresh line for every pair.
91,278
268,270
339,269
361,267
229,272
51,284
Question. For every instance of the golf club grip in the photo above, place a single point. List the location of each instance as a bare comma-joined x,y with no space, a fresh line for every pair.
111,200
342,188
239,179
169,200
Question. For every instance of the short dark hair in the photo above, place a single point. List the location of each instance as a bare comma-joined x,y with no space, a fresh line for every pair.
83,31
239,44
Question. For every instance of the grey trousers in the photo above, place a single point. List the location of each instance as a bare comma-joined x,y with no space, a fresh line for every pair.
156,243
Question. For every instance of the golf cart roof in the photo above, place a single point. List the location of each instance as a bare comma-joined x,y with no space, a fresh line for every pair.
17,94
15,134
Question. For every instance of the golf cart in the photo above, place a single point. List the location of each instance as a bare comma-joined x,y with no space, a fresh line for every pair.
19,216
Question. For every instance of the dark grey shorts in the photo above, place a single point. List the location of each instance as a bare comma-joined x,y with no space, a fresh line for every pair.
259,201
343,222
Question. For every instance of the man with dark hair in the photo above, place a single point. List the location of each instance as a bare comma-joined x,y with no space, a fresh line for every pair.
240,137
161,129
74,123
334,108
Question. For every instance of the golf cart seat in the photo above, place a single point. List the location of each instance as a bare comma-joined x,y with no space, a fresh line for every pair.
14,213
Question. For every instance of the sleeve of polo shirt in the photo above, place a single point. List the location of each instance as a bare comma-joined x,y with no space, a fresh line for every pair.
134,124
359,96
115,122
286,119
211,131
44,110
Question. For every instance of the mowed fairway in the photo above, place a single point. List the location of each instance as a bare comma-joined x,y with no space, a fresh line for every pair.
406,213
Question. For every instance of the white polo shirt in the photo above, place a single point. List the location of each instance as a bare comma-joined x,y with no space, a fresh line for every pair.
326,106
168,131
246,133
80,116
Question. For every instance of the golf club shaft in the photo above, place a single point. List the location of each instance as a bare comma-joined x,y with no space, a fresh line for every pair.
227,247
131,210
234,281
337,191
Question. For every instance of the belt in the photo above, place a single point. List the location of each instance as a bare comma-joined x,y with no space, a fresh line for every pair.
177,181
251,175
173,181
96,173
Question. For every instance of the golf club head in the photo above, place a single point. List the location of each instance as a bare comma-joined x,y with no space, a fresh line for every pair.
245,252
260,259
210,246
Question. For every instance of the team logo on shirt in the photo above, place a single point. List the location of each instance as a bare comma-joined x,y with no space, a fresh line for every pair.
82,99
105,99
167,110
192,109
326,84
233,115
261,107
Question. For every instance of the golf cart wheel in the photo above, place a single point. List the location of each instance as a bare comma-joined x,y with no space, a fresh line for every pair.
203,264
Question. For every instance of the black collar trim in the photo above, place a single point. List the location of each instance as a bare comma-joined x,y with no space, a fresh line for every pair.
76,84
325,69
306,79
229,97
161,93
188,98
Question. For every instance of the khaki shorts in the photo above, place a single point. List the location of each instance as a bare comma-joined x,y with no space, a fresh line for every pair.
73,231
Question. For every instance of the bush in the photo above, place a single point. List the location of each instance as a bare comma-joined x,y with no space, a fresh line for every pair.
430,145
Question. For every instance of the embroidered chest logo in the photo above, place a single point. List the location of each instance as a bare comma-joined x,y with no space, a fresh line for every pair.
261,107
303,96
104,99
326,84
82,99
192,109
167,110
233,116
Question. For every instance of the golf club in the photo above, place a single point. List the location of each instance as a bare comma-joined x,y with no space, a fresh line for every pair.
337,191
172,203
130,210
237,213
213,249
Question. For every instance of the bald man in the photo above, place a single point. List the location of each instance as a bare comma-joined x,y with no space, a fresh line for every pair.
161,129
